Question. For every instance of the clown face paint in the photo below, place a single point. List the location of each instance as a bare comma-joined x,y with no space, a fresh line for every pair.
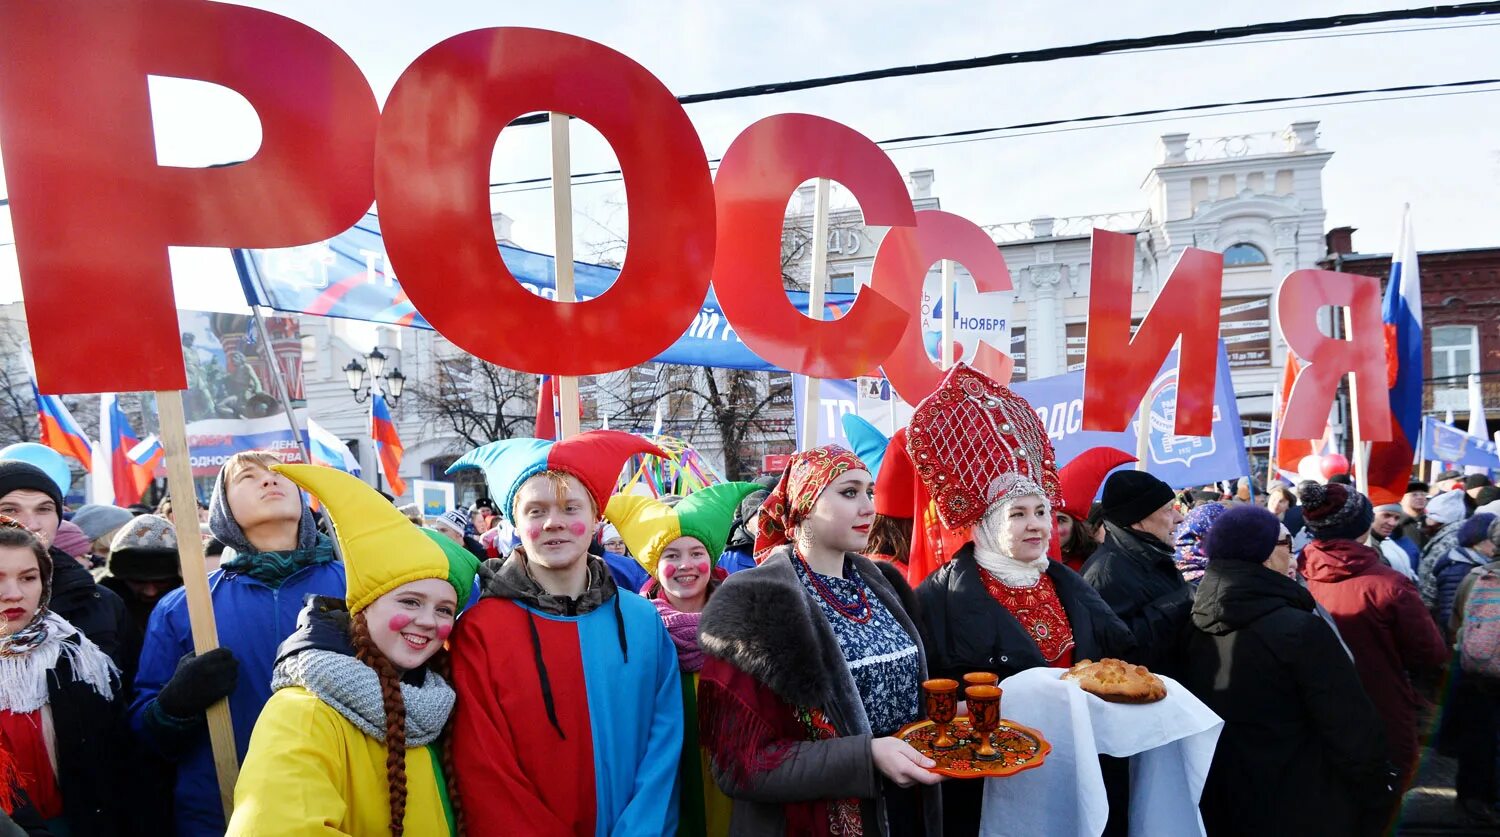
555,524
410,623
684,572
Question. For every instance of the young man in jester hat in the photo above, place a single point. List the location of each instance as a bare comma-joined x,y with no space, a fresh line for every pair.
678,546
569,712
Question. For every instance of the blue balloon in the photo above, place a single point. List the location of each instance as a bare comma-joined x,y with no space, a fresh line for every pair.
45,458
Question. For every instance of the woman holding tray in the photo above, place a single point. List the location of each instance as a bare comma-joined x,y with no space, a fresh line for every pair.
1000,605
812,666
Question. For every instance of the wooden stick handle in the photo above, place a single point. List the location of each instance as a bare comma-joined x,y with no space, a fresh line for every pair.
562,220
195,580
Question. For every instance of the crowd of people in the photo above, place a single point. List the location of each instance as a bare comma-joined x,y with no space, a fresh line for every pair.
564,660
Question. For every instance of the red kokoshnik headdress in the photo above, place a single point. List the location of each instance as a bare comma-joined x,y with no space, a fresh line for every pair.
976,443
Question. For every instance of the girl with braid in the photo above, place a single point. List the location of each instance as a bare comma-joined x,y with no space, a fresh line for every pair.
352,740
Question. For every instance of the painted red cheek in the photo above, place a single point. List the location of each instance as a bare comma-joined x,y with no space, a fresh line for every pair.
443,631
577,529
702,568
533,532
399,622
669,570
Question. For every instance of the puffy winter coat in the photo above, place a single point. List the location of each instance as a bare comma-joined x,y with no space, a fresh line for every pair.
253,619
1448,573
1385,625
1302,743
1137,576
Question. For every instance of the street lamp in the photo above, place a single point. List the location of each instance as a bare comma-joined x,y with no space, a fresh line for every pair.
354,374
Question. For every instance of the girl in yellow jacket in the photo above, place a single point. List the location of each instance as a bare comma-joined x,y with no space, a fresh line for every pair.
351,740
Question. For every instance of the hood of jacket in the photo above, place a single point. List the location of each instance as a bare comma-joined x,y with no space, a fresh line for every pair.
508,578
1330,562
70,581
322,625
1234,594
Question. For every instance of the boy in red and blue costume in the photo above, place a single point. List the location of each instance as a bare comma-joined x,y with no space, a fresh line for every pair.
569,712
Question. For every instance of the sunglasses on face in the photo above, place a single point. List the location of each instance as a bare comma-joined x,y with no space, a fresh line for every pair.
1286,542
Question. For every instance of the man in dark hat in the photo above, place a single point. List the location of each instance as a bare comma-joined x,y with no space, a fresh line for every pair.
1135,568
1414,506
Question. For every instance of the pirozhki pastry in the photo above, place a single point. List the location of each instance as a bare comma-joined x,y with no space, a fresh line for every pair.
1117,681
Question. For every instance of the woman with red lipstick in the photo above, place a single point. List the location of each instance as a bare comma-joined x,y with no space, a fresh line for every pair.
351,741
60,700
1000,605
677,546
812,664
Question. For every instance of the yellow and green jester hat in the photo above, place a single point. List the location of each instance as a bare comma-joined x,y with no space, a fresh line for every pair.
382,549
647,525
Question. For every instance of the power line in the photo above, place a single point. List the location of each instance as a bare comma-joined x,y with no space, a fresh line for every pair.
1096,48
976,134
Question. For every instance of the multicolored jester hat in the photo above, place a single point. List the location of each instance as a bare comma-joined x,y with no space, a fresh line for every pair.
595,458
382,549
648,525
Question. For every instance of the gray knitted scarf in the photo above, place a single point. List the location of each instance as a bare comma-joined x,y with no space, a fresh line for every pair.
353,690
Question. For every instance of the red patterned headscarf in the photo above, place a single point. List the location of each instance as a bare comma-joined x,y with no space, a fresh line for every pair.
800,485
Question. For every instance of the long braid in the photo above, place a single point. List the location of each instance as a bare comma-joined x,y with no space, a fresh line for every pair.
395,718
442,664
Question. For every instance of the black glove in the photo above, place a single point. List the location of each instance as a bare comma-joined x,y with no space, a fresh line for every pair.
198,682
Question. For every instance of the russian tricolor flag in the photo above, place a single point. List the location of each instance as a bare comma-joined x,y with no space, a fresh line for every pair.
1391,462
328,449
130,479
60,431
387,443
147,453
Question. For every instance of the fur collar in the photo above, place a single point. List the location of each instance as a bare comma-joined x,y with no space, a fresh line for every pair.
763,623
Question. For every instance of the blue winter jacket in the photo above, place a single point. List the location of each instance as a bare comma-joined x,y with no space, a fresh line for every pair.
1448,573
736,558
252,620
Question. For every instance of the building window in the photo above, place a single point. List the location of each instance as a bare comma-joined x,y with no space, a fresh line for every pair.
1244,254
1454,351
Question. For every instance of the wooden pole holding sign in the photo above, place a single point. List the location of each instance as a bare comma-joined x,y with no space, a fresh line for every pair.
1361,470
1143,434
562,222
812,407
950,317
195,581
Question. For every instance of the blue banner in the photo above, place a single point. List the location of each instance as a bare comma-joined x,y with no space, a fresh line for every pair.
1180,461
1446,443
348,277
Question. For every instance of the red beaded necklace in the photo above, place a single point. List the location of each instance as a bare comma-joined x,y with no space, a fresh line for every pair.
859,612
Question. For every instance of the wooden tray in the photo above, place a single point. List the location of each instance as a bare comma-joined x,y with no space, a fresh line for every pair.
1021,748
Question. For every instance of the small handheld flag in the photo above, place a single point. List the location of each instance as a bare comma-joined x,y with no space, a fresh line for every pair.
60,431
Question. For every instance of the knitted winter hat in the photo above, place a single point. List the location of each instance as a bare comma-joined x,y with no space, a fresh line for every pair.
1132,496
16,475
71,539
382,550
1447,507
145,549
1476,529
1335,512
455,519
98,520
648,525
1243,533
594,458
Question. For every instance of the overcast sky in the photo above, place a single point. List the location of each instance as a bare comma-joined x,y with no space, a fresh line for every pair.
1441,154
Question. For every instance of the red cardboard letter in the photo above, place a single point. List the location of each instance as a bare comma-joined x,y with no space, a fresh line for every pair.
94,213
901,265
432,174
1303,293
762,167
1119,368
